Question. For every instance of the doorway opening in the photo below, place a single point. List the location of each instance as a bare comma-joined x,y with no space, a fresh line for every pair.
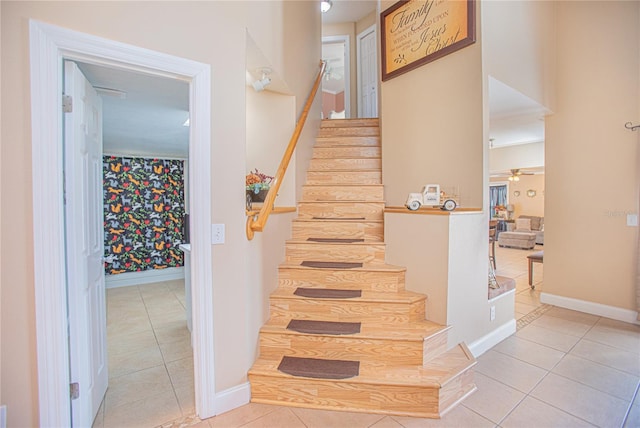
143,156
336,84
48,46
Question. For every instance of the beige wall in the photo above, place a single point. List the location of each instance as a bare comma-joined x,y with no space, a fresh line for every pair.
518,46
520,156
591,159
270,123
366,22
192,30
433,127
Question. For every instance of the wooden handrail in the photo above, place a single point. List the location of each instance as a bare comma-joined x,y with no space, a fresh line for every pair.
256,223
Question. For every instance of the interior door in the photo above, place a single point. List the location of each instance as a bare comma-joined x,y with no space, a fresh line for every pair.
368,74
84,245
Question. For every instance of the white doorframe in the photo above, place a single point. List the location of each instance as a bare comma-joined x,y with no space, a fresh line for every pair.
347,68
359,37
49,45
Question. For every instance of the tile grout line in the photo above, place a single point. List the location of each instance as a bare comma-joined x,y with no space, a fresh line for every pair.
626,414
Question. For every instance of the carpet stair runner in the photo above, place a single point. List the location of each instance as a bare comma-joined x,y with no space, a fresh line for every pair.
343,332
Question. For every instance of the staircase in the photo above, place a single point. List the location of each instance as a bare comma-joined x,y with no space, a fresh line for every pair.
344,334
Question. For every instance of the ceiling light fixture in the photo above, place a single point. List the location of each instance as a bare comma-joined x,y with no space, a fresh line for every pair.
110,92
259,85
325,5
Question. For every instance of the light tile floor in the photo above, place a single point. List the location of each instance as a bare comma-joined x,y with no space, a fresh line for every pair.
561,369
150,357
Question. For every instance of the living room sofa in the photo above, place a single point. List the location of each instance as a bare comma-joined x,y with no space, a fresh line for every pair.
524,233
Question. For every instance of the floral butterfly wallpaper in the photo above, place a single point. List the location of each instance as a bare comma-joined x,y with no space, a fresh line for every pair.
143,213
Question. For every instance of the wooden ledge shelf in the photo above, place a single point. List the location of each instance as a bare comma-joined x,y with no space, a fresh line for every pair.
429,210
276,210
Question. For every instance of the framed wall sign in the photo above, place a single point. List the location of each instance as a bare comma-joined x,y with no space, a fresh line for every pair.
415,32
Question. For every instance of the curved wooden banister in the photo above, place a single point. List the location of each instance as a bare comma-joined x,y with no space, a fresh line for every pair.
256,223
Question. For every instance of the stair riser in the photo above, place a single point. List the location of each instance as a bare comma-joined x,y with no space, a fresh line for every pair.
347,141
408,400
343,193
456,389
351,123
339,230
352,253
342,348
344,279
345,164
348,132
337,210
344,177
346,152
347,310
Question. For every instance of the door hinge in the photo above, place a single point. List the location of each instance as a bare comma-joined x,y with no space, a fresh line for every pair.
67,103
74,390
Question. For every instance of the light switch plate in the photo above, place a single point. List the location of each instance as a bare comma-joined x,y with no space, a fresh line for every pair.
217,233
632,219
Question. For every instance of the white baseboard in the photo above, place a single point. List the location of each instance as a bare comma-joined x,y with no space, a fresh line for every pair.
233,398
613,312
490,340
144,277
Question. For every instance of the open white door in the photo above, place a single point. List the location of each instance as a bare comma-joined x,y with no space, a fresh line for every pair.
367,73
84,245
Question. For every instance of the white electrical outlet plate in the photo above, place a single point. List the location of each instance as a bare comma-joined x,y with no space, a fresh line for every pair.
217,233
632,219
492,313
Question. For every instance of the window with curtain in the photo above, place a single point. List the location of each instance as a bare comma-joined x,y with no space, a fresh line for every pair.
497,196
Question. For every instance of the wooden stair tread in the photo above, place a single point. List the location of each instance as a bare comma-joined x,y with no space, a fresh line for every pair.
435,373
417,331
351,122
402,296
378,267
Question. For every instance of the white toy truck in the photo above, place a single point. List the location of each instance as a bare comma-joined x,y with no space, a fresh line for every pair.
431,196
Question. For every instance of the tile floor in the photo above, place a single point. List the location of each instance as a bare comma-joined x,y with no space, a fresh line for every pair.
150,357
561,369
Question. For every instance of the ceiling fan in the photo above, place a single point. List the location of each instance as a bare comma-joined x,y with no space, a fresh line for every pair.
516,173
